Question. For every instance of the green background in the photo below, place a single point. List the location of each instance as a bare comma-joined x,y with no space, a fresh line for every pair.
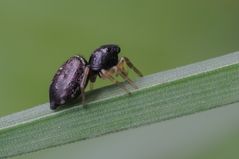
37,36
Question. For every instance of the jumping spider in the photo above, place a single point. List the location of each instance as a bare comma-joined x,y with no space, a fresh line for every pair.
72,77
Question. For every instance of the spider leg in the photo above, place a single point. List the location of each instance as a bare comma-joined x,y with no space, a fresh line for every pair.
120,69
92,78
125,77
91,85
107,74
83,84
130,65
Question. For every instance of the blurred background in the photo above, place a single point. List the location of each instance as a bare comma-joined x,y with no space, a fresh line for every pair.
36,37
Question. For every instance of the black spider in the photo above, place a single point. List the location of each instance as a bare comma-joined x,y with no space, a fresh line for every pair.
72,77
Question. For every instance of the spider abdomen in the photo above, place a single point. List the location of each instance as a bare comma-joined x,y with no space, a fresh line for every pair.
65,85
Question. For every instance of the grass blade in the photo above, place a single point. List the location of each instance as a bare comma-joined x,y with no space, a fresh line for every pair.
160,96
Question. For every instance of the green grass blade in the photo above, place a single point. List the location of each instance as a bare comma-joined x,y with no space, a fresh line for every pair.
160,96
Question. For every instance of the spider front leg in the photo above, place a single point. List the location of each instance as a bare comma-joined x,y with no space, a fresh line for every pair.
120,69
107,74
131,66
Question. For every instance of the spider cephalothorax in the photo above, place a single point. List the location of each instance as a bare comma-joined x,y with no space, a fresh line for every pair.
105,63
